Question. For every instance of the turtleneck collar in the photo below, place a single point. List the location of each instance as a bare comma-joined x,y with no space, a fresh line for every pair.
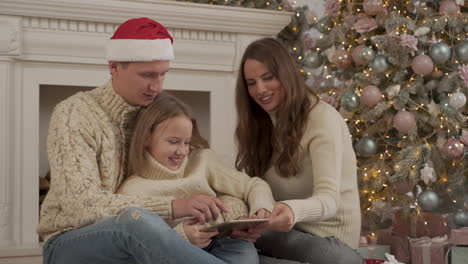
156,171
119,111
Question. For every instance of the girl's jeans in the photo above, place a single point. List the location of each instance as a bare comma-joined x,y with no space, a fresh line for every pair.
139,236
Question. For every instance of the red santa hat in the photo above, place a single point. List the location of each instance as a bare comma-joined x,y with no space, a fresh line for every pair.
140,39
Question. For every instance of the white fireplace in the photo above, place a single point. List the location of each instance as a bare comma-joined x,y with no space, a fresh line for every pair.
49,49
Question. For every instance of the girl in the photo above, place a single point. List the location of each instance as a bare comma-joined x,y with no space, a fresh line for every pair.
302,148
169,158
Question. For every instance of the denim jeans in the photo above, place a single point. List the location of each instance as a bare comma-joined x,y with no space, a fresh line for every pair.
139,236
305,248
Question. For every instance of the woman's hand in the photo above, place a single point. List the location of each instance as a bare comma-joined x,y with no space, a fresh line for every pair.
199,238
282,218
203,207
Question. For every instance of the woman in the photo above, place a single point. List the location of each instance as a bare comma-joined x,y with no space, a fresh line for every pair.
302,148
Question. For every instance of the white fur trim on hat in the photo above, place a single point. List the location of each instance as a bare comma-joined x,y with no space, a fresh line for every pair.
139,50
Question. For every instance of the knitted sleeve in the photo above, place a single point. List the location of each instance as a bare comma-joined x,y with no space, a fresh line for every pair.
253,190
74,156
324,138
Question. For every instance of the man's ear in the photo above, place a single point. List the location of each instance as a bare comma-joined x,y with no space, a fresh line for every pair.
112,67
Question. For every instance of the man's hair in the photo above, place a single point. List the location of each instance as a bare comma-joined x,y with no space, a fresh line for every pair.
256,136
164,107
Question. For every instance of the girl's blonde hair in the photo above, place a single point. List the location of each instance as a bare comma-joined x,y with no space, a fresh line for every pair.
256,136
164,107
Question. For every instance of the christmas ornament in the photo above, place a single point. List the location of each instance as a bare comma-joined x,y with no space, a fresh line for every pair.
370,95
422,64
464,137
393,91
428,200
323,25
421,31
449,7
440,52
462,51
410,42
446,108
458,100
350,101
384,210
356,55
332,7
464,74
433,109
380,64
403,186
404,121
367,54
341,59
312,59
428,174
460,218
454,149
366,146
374,7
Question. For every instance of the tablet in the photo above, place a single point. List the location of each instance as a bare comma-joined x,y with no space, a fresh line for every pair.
228,226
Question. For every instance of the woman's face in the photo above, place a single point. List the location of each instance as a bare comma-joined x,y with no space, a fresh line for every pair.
263,86
169,142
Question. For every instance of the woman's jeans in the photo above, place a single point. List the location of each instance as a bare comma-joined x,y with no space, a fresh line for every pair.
303,247
139,236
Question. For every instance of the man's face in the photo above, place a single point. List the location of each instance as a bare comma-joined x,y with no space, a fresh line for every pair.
138,83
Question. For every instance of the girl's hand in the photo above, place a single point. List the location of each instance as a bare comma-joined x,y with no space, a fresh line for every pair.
195,236
203,207
255,231
282,218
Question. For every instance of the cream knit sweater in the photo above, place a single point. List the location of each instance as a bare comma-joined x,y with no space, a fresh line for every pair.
201,173
324,194
88,140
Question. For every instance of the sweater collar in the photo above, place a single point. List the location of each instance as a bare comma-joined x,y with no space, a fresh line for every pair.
156,171
119,111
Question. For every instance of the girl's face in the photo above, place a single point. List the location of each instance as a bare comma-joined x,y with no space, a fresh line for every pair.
264,88
169,142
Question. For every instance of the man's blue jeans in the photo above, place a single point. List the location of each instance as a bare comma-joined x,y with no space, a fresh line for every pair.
139,236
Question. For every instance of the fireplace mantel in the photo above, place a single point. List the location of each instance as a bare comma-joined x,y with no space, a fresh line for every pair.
61,43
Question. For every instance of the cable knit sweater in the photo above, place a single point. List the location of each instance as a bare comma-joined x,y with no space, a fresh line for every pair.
201,173
324,194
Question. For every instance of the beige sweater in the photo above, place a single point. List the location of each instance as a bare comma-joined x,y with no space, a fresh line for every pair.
324,194
201,173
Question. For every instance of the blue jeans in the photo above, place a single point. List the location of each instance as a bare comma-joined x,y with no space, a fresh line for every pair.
139,236
303,247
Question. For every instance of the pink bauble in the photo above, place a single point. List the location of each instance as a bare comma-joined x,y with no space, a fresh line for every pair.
449,7
454,149
373,7
404,121
370,95
341,59
356,55
422,64
404,186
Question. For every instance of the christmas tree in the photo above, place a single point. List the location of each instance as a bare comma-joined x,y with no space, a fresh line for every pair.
398,73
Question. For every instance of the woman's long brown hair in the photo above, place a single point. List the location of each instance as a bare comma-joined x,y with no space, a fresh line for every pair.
164,107
256,136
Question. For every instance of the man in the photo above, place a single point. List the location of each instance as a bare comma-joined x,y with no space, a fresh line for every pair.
82,219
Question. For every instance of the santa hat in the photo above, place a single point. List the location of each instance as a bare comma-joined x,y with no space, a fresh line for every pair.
140,39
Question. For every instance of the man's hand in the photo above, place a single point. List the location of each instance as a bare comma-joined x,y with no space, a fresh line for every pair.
282,218
203,207
199,238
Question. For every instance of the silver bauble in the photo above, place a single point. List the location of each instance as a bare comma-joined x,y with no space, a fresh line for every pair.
446,108
380,64
462,51
460,218
323,25
428,201
367,54
366,146
440,52
312,59
350,101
